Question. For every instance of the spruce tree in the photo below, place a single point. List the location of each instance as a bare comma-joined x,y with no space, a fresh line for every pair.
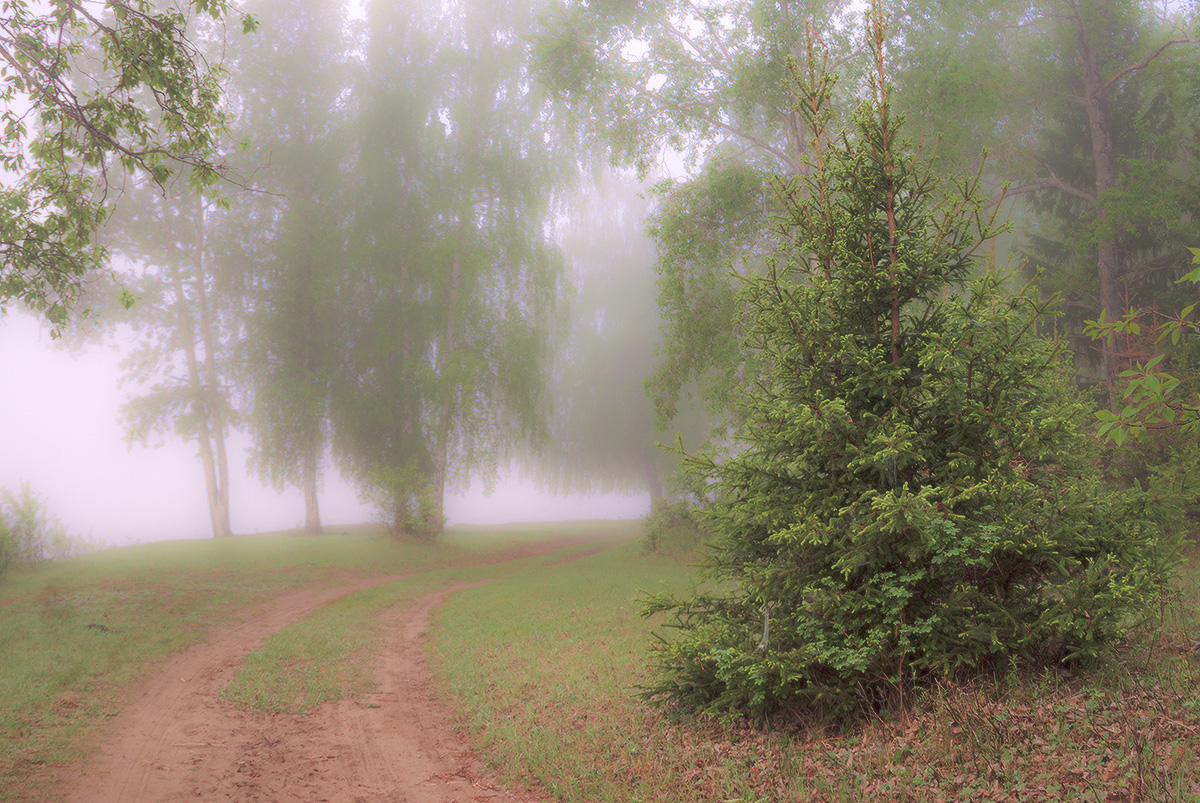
911,495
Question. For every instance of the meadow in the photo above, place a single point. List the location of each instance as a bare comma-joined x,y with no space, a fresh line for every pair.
545,674
541,667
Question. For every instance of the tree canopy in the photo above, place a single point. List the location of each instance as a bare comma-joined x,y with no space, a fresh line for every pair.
90,89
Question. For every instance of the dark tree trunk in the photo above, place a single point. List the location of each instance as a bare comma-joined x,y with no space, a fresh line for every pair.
1105,162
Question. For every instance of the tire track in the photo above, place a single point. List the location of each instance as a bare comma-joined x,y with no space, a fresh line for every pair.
177,741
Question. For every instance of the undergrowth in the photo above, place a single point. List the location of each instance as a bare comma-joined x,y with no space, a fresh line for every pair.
673,530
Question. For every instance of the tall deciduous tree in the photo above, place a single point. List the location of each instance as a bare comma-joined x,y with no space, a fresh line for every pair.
453,276
1089,107
185,326
705,81
89,88
291,96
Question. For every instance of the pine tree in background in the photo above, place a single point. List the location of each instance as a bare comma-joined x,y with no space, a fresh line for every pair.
911,494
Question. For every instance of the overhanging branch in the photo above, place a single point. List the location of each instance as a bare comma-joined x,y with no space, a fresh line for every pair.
1052,183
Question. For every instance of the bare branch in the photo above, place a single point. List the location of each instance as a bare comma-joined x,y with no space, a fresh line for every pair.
1145,62
712,30
737,132
1052,183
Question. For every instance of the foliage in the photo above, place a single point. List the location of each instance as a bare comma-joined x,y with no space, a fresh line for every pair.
186,323
1148,392
30,535
704,84
673,528
450,278
702,226
1088,111
910,495
292,239
405,501
681,74
110,85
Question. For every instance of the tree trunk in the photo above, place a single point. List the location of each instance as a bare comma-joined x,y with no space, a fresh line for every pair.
653,480
187,330
313,440
446,415
311,475
218,497
1105,163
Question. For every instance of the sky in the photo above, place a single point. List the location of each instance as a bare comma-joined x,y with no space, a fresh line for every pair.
60,432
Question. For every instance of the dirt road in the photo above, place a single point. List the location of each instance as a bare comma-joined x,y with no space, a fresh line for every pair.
177,741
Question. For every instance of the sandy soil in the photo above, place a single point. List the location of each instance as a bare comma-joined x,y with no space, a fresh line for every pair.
176,741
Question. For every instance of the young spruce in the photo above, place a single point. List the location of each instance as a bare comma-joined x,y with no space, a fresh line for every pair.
912,494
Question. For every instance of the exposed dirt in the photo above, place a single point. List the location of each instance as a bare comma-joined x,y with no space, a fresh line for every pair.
176,740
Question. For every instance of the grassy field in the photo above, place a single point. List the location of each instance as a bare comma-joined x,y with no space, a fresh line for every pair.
74,635
541,671
541,667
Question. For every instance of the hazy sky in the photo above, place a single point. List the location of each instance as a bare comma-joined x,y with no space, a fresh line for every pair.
59,430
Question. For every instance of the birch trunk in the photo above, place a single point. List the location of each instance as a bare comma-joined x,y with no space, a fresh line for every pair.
441,455
204,440
653,480
310,480
218,497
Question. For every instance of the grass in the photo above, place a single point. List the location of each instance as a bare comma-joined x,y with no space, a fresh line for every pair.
541,674
328,655
542,671
541,664
75,634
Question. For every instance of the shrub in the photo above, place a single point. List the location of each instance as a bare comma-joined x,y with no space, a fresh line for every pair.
673,528
30,535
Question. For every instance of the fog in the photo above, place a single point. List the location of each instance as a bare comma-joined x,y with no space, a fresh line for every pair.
419,249
59,431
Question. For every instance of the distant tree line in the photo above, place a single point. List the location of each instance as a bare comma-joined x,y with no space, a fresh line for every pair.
424,271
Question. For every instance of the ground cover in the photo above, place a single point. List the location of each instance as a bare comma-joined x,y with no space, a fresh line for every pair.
541,673
76,634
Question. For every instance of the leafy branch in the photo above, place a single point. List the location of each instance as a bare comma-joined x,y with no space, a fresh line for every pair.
86,87
1149,390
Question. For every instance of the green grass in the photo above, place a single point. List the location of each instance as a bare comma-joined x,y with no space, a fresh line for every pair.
541,673
75,634
543,669
328,655
541,666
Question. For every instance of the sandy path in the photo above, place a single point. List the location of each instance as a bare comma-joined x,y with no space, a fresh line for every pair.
176,741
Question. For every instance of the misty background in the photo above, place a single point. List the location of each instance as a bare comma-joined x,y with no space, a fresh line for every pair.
60,432
472,263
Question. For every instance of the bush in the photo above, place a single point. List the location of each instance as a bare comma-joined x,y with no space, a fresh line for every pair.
30,535
673,528
913,494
